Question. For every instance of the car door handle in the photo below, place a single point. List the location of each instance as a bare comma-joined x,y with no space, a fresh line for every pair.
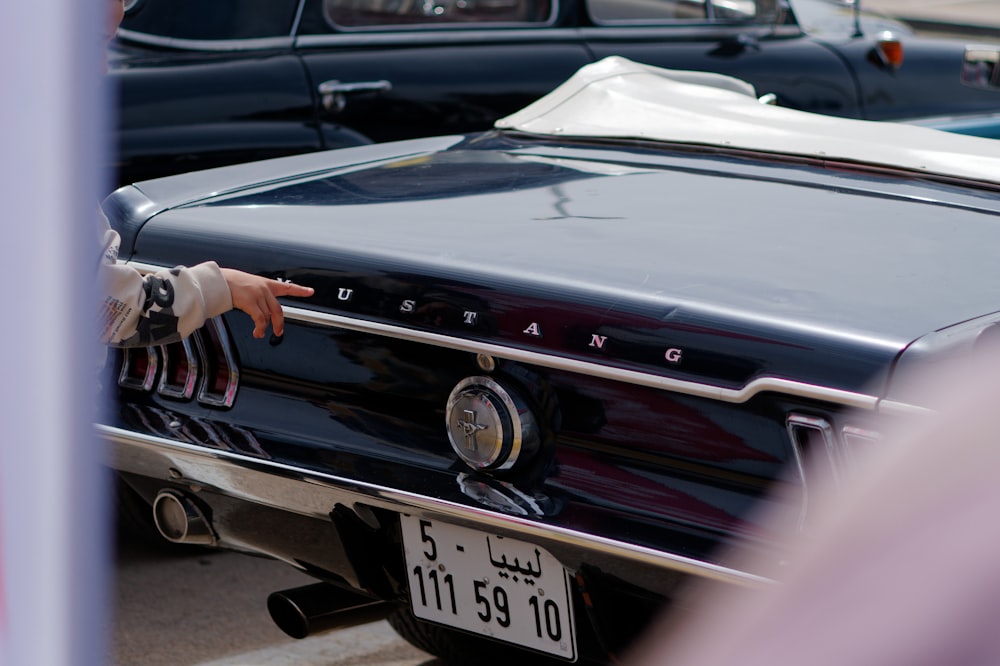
334,93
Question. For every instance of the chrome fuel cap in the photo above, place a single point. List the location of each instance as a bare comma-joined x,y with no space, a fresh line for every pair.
490,426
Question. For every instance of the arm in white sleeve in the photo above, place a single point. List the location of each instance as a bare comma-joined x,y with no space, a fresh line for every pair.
142,310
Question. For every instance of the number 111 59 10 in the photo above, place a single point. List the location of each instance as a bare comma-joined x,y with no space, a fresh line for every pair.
436,589
492,603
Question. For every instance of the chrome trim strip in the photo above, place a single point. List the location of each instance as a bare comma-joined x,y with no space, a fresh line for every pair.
614,31
895,408
313,494
441,36
760,385
298,17
258,44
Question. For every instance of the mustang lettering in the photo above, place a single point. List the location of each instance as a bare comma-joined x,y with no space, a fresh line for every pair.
598,341
533,330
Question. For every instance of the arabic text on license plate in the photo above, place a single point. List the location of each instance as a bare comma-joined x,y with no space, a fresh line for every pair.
488,584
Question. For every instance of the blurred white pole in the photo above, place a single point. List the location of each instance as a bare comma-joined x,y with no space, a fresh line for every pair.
53,504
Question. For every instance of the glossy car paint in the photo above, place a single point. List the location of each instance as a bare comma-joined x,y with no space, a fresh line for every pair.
586,266
188,104
442,213
232,109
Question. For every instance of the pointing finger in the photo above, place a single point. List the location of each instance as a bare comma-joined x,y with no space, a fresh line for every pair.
290,289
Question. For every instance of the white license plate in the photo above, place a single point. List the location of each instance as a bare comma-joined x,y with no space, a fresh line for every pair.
491,585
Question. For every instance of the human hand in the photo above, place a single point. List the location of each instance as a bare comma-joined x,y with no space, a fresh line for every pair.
256,296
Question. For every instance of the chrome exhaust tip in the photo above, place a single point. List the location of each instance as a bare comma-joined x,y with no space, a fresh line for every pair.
312,609
179,519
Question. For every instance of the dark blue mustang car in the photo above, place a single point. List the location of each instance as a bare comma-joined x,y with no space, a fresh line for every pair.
551,371
203,84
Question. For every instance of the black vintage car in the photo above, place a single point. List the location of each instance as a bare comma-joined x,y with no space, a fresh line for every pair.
207,84
552,371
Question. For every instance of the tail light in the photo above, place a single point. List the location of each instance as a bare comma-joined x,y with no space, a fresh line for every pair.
221,373
859,440
202,366
180,370
814,446
139,366
821,456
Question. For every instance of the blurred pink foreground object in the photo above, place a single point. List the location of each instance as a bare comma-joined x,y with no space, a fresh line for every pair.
898,567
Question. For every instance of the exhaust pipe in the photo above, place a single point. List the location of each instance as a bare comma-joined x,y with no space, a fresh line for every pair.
312,609
180,519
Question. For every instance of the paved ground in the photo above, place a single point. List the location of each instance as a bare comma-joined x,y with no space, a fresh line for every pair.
206,608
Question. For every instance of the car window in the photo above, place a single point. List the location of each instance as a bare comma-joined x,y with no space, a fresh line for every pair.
660,11
377,13
212,19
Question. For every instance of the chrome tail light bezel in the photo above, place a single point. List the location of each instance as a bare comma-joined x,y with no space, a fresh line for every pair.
140,366
822,454
220,361
208,371
179,358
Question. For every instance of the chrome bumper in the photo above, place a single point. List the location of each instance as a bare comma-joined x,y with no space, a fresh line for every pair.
314,494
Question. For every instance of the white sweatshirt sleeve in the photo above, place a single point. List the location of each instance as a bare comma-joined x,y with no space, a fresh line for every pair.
142,310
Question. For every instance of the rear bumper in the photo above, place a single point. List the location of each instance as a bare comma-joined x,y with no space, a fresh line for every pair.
269,486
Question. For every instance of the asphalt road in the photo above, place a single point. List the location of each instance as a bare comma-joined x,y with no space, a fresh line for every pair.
207,608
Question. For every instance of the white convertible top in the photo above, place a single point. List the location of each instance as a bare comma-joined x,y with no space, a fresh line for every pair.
618,98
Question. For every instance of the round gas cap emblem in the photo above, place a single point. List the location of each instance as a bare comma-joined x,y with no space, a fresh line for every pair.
489,426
